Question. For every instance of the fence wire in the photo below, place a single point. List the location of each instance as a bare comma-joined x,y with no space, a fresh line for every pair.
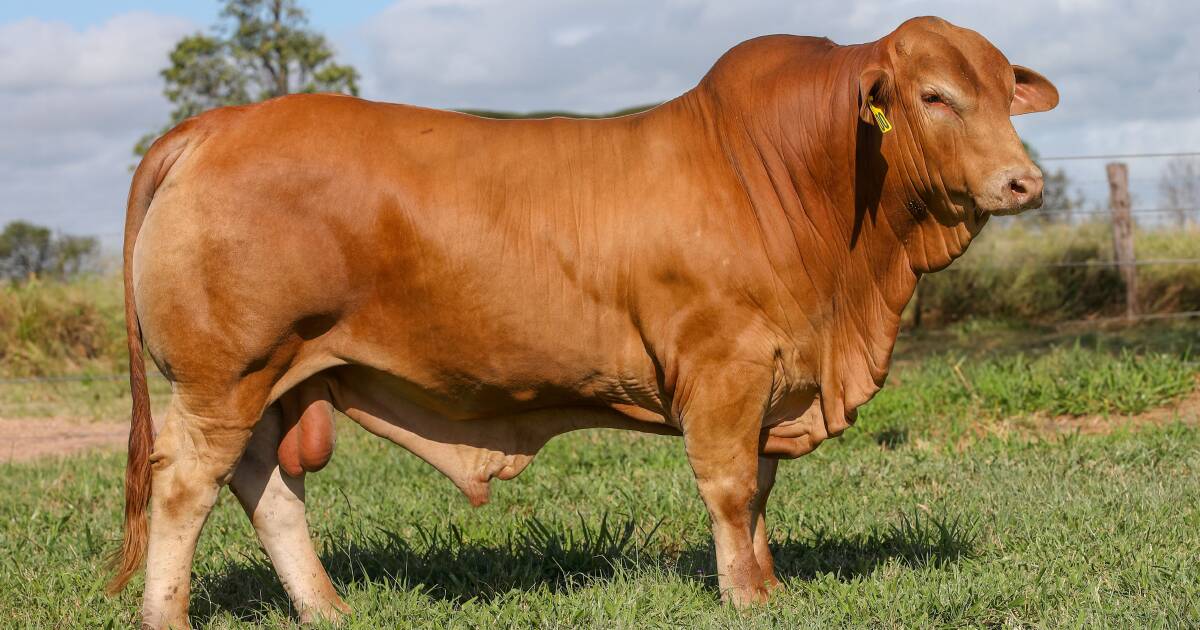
1034,213
1149,262
75,378
1119,156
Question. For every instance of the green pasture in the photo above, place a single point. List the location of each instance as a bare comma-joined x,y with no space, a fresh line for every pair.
949,504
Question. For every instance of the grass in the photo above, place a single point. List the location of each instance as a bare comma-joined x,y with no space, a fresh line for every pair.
951,395
50,327
982,338
606,530
91,399
944,506
1061,272
62,350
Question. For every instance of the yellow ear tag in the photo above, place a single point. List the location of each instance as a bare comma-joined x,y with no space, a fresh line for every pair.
884,125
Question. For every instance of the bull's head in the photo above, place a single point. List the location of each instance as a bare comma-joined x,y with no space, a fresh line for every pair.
949,94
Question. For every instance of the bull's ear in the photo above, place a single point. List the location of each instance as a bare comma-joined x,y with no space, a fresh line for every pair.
1034,93
874,83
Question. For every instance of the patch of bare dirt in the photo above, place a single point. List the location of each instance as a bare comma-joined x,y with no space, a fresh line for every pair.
23,439
1186,410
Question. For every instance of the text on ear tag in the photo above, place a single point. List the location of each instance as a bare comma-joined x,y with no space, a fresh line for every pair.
884,125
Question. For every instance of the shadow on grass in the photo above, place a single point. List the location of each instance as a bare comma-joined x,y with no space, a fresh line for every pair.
915,540
892,438
443,565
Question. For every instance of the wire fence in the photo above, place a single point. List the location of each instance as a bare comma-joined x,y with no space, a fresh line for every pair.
1109,212
1120,156
1127,264
74,378
1081,263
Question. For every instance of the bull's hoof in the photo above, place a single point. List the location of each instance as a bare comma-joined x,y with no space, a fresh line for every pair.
161,622
333,611
772,584
746,596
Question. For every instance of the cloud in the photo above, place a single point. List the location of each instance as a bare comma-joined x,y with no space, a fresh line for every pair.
541,54
72,103
126,49
574,35
1127,72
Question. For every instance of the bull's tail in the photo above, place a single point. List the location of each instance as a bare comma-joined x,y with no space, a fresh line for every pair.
128,559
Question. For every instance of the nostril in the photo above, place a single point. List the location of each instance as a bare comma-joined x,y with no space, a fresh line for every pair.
1017,187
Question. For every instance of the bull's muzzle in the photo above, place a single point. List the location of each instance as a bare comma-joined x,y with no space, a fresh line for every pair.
1013,190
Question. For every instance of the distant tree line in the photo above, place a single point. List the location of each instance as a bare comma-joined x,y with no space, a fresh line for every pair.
554,113
32,251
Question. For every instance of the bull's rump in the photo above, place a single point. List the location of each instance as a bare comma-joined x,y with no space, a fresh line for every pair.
479,262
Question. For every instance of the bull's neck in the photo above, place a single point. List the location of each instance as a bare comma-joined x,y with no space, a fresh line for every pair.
842,209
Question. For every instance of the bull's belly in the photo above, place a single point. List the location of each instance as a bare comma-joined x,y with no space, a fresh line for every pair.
490,352
472,450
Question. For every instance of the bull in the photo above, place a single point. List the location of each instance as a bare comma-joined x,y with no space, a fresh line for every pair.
729,267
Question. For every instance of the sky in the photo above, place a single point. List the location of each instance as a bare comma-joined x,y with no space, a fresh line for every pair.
79,79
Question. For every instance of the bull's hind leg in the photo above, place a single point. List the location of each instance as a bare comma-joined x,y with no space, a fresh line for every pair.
274,501
193,455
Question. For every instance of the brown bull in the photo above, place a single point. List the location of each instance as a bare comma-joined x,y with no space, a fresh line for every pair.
729,266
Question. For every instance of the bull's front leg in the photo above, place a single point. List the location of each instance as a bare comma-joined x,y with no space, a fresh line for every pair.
721,421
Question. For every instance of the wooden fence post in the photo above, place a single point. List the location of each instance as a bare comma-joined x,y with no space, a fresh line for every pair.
1122,220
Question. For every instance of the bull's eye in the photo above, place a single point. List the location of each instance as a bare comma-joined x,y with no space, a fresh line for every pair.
933,99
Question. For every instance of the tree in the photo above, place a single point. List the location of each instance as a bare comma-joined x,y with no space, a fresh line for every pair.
28,250
261,49
1058,202
72,255
24,250
1180,189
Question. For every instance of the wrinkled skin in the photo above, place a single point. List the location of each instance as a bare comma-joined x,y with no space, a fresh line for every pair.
729,267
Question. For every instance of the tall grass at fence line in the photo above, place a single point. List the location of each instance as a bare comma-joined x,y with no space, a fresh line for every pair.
1169,288
1059,272
50,327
